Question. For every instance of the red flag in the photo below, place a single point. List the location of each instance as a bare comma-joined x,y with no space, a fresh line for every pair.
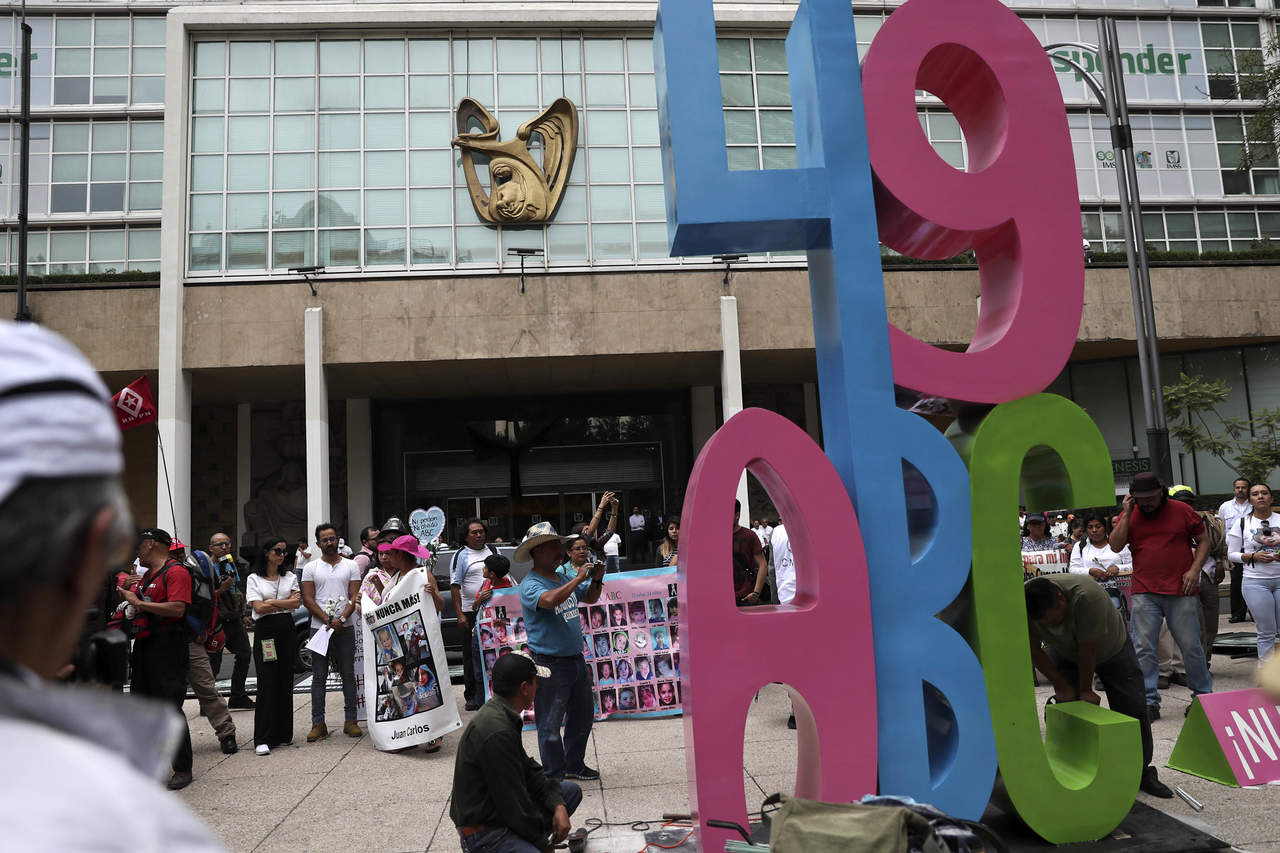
134,404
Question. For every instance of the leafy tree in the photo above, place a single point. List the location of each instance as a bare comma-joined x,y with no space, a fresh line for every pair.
1249,445
1259,80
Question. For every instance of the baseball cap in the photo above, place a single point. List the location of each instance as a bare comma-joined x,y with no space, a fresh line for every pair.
1035,516
157,534
1145,485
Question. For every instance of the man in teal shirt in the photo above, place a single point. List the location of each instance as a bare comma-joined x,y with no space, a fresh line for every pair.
550,599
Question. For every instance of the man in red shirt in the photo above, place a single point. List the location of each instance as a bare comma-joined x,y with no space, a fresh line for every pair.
749,568
160,642
1169,546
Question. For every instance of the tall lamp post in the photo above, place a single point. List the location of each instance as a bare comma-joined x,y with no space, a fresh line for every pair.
1111,94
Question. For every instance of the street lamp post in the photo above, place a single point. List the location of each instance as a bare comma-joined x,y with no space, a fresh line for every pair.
1111,94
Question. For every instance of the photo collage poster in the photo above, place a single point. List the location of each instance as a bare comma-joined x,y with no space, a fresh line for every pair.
404,657
630,640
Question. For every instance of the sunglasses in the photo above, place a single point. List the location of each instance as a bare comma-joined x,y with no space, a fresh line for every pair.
279,551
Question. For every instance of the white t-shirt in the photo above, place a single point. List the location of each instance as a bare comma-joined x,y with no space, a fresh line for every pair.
331,584
259,588
468,574
1254,539
1086,556
611,545
784,564
637,522
52,799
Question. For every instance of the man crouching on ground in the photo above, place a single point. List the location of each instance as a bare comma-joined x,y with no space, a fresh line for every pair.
502,800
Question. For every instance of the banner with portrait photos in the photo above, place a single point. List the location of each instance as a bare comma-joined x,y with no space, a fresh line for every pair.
404,662
630,640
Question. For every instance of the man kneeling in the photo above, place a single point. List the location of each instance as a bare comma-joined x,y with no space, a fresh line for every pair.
1073,616
502,800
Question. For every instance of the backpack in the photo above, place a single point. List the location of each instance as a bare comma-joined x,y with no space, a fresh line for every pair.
1216,533
202,612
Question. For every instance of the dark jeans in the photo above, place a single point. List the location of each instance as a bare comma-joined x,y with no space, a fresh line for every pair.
1238,609
238,645
471,689
1210,606
565,696
502,840
160,671
342,653
273,712
1122,680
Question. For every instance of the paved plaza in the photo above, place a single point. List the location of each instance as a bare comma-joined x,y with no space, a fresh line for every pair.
341,793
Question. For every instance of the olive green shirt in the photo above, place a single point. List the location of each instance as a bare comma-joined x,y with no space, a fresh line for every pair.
496,783
1091,617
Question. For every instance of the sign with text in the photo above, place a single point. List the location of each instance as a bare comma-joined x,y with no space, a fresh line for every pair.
630,640
1036,563
1232,738
404,664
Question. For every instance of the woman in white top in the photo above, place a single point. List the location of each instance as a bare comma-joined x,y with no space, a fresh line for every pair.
1254,540
1093,556
273,596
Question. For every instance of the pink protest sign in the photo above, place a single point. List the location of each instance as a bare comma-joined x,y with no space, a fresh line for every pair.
1232,738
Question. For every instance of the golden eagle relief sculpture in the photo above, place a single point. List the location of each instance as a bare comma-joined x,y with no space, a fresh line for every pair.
520,188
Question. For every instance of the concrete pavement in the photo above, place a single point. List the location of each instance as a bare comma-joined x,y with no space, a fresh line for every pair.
341,793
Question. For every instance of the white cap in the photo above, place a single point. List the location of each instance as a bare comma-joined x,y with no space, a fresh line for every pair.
55,413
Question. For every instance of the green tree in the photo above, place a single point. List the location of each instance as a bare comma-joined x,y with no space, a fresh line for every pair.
1258,80
1249,445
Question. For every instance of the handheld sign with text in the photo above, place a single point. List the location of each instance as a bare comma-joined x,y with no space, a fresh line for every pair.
1232,738
406,674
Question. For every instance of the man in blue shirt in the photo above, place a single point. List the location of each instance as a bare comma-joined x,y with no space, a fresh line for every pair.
550,599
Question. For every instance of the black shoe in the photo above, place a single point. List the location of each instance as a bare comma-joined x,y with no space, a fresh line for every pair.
583,773
1179,678
1153,712
1162,682
1152,785
229,745
791,721
240,703
179,780
1234,619
472,706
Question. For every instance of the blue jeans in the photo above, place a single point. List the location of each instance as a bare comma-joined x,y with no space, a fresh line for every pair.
612,562
502,840
342,651
565,696
1182,612
1263,597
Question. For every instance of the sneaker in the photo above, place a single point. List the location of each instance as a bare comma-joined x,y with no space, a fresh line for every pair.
583,773
1153,712
319,731
1179,678
229,745
241,703
352,729
179,780
1152,785
262,749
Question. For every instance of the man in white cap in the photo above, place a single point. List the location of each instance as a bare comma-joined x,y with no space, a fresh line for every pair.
550,598
60,463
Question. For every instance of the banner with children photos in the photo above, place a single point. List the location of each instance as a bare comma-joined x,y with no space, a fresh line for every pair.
403,663
630,639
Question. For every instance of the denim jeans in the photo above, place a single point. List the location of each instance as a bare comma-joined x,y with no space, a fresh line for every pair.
565,696
612,562
502,840
1182,612
342,651
1263,597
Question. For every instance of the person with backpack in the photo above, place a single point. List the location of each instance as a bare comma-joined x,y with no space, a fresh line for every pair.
1212,572
160,642
1093,556
202,629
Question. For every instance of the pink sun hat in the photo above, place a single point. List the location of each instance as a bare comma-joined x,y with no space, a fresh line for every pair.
408,544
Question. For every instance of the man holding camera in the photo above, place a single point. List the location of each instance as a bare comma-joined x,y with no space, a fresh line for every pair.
60,464
550,597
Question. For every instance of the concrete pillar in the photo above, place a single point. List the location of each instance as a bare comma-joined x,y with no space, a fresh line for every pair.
359,469
731,381
244,478
317,406
812,416
702,415
173,486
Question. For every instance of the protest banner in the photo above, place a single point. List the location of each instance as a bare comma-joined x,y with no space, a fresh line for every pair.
402,678
1035,563
630,639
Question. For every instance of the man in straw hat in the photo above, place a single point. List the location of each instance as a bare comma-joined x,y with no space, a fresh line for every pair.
550,597
60,464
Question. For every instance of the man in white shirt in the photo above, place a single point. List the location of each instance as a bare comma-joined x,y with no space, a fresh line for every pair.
784,564
636,544
466,573
330,588
611,558
1231,512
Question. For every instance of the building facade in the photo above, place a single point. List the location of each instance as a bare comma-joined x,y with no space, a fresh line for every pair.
272,222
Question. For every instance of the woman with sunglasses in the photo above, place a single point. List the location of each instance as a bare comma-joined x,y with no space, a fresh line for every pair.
273,595
1254,540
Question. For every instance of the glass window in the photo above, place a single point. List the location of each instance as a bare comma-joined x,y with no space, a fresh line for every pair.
339,57
291,249
247,171
429,246
72,31
734,54
148,60
517,55
429,92
611,242
339,169
430,207
338,209
293,171
384,57
145,196
247,251
430,130
384,247
206,252
295,57
294,133
340,248
245,133
210,59
249,58
206,172
246,210
429,55
339,93
147,90
384,93
148,30
249,95
293,210
384,130
384,207
206,213
146,167
339,131
384,169
146,135
295,94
